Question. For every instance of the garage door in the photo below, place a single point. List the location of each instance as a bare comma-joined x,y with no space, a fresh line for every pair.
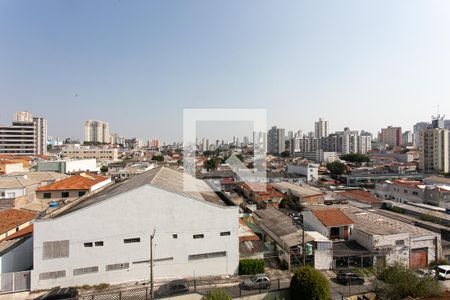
419,258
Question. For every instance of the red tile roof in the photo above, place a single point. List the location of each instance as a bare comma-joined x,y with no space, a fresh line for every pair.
75,182
332,217
12,218
22,232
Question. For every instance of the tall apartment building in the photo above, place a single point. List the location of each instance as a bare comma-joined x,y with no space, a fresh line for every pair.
364,142
96,131
347,141
391,136
321,128
26,135
418,127
155,144
434,148
408,138
275,140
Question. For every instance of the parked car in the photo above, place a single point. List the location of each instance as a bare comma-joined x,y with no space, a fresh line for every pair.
176,287
425,272
59,294
443,272
349,278
258,281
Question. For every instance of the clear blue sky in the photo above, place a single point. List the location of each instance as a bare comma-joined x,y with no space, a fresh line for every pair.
137,64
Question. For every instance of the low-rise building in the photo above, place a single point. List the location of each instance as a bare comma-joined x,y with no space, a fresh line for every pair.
330,222
72,187
12,220
309,170
100,154
287,240
106,237
392,241
68,166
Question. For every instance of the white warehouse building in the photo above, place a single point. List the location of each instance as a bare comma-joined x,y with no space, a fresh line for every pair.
105,237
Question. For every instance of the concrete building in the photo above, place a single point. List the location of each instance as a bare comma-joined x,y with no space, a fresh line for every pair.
321,129
434,150
68,166
408,138
86,242
392,241
100,154
26,136
310,171
364,142
154,144
391,136
96,131
418,127
276,140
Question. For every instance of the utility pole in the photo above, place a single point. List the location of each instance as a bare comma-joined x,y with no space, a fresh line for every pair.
436,256
303,240
151,262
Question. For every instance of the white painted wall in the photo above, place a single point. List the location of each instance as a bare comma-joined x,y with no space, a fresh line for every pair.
135,214
18,259
81,165
18,192
312,223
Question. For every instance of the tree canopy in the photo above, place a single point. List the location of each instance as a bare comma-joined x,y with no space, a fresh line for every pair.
355,158
158,157
398,282
309,283
336,168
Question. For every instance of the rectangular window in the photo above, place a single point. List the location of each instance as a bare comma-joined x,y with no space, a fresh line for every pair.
82,271
175,236
198,236
225,233
98,243
55,249
207,255
116,267
2,194
400,243
47,195
65,195
88,244
81,193
52,275
132,240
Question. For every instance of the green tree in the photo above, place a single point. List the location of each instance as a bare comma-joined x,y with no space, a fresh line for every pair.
309,283
158,157
398,282
336,168
217,294
355,158
285,154
104,169
212,163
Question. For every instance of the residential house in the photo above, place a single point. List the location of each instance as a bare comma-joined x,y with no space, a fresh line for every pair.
250,245
12,220
72,187
288,241
330,222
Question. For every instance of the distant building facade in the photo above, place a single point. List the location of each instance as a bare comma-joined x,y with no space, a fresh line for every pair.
276,140
96,131
26,135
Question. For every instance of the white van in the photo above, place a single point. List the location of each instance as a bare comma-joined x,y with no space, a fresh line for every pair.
443,272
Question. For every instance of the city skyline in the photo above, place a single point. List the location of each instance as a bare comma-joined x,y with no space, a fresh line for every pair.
138,65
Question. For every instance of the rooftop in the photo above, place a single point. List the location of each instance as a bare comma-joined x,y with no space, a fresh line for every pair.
12,218
298,190
83,181
359,195
331,217
161,177
371,222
